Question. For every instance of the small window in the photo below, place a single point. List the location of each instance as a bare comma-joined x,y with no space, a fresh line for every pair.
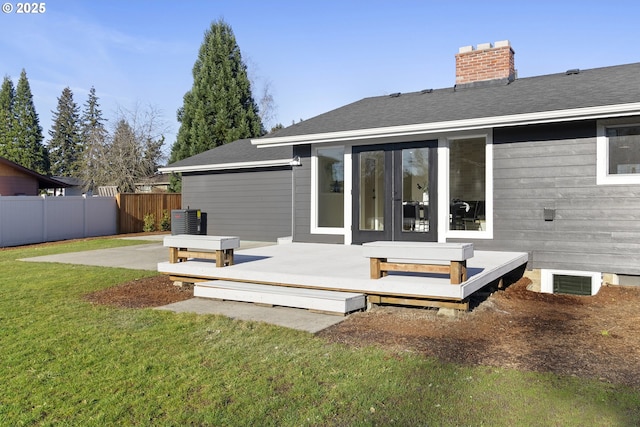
624,150
570,282
618,153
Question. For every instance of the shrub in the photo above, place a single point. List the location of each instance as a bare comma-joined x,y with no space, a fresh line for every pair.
149,222
165,222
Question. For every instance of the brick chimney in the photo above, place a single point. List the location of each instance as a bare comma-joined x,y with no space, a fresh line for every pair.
484,63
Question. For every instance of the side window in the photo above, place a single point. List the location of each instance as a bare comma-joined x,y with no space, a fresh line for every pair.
329,189
618,154
623,150
467,184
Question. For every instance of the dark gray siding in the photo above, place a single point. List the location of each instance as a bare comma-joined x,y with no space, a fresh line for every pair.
254,205
302,212
596,227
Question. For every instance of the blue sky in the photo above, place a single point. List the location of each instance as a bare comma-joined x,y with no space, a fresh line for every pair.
314,55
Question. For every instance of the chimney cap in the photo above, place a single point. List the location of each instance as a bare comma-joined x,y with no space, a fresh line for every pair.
485,46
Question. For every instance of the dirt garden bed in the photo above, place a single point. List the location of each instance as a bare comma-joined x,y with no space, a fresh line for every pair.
592,337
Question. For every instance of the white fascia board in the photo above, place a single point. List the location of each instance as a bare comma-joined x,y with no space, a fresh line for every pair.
586,113
228,166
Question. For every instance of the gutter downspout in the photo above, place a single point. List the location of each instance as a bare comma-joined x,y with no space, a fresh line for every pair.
295,162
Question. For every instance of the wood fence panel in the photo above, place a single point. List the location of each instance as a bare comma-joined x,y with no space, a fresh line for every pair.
132,208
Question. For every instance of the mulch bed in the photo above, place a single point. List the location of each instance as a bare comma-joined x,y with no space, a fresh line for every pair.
592,337
152,291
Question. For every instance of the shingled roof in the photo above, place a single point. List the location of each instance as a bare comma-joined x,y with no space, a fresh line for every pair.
577,89
237,154
44,182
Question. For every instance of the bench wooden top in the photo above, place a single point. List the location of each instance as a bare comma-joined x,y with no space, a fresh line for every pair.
195,241
419,250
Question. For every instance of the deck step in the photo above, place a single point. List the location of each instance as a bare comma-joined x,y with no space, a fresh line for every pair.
311,299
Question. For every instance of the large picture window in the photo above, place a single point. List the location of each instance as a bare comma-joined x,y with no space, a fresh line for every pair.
330,187
467,184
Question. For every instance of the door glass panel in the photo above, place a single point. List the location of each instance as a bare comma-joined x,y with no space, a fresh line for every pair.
372,194
467,184
415,190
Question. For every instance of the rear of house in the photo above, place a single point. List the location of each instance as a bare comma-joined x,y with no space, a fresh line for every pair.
548,165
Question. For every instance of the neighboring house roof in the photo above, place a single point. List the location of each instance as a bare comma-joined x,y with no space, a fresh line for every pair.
240,154
580,94
44,182
158,179
70,181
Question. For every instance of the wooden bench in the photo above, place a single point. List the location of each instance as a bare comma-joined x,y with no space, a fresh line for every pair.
184,246
421,257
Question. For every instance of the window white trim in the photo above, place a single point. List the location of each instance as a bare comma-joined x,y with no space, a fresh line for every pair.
602,154
444,196
314,193
546,279
348,200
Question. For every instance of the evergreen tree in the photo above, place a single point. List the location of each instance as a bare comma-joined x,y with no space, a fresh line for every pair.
30,153
219,108
7,119
65,147
94,140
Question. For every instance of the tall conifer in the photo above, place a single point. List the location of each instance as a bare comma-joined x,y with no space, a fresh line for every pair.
65,146
7,119
31,153
220,107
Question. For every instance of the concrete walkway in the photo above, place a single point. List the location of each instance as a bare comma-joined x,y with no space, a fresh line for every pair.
293,318
147,257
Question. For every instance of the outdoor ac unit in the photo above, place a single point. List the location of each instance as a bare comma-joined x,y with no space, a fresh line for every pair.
185,221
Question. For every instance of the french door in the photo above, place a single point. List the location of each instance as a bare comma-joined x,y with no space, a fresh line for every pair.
394,192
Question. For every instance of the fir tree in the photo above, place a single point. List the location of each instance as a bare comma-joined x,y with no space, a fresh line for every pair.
94,140
7,119
65,146
219,108
30,153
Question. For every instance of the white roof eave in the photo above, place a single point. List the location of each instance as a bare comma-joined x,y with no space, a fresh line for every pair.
230,166
584,113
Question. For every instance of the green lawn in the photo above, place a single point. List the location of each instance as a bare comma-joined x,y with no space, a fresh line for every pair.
67,362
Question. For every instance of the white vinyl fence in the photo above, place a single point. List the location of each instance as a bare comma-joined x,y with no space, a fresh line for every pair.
35,219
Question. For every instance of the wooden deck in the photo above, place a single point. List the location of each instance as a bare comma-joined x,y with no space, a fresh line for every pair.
345,268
